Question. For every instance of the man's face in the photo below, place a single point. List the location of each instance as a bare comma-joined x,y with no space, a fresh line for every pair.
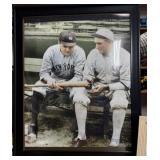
104,46
66,48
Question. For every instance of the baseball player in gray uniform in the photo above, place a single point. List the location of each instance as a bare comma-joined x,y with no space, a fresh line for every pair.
62,62
108,68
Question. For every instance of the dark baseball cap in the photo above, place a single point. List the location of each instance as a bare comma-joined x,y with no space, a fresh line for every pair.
67,37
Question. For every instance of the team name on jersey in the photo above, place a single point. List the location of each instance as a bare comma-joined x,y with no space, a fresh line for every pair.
62,68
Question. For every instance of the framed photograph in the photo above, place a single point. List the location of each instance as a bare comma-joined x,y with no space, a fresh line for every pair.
76,85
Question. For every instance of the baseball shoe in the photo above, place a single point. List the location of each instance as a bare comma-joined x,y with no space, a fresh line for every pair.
114,143
32,134
79,143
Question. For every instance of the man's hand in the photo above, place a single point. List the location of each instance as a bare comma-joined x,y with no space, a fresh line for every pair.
56,86
89,86
52,84
99,88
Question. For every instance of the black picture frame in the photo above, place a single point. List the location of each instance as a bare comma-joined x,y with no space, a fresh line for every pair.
73,12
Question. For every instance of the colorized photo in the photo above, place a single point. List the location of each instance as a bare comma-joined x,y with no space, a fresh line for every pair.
77,83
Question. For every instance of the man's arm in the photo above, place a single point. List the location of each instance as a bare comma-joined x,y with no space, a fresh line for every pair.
80,60
88,73
124,73
46,67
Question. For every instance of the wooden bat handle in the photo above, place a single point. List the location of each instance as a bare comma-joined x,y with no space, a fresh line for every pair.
35,85
61,84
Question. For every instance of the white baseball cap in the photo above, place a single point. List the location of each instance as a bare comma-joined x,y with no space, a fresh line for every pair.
104,33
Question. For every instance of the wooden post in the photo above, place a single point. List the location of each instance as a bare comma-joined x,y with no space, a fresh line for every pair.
142,136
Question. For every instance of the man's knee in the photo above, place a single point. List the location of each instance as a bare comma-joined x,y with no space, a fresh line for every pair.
81,99
119,100
41,90
37,95
80,96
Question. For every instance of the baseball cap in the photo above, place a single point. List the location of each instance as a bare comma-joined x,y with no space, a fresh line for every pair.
104,33
67,37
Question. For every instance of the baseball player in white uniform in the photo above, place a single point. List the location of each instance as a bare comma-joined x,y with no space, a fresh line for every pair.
108,68
62,62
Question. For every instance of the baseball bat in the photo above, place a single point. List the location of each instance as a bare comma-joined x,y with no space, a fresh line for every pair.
61,84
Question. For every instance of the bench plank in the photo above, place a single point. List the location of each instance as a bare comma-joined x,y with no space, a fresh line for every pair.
32,64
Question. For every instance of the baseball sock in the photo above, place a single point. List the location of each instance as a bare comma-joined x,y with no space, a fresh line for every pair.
81,115
118,120
37,98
